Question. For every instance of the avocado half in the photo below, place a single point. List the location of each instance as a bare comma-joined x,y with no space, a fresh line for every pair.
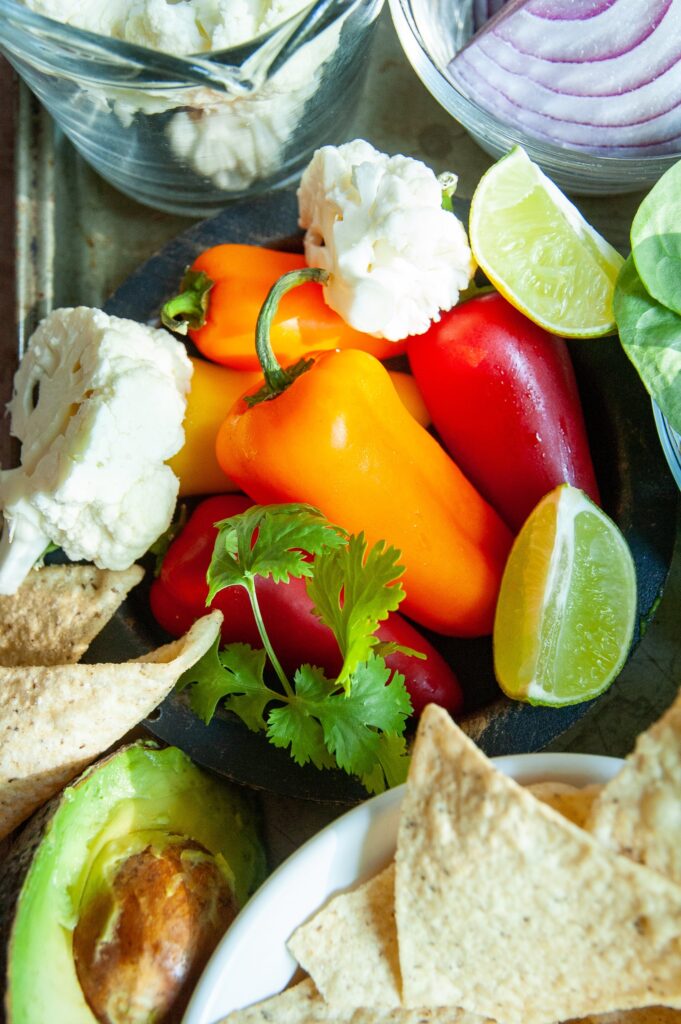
126,815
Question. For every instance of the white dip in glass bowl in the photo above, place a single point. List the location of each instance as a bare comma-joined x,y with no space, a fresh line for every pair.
184,132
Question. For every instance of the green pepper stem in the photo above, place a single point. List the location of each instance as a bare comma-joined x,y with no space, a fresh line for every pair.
188,308
249,583
276,378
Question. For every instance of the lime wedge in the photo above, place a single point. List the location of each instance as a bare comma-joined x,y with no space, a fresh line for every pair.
567,605
540,253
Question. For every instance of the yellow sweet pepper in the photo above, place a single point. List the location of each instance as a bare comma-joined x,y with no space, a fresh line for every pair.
214,390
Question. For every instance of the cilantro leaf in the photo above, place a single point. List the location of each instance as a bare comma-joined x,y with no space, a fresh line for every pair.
269,540
238,670
359,732
353,591
351,720
294,726
355,722
392,764
248,696
383,649
289,726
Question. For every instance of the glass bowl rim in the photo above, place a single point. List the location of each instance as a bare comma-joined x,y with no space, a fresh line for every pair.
479,121
180,66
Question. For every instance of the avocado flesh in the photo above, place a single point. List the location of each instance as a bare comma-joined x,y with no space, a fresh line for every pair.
139,790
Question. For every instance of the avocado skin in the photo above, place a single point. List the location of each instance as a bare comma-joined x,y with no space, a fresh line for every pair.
27,845
16,862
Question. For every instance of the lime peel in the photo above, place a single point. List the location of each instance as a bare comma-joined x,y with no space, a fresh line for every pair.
567,605
539,251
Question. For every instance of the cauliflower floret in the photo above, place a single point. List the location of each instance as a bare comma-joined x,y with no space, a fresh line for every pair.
376,224
98,406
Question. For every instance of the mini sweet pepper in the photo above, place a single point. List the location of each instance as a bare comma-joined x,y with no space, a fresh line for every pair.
331,431
504,400
178,599
222,294
214,389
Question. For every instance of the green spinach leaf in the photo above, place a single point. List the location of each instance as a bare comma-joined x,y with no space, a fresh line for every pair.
651,336
656,240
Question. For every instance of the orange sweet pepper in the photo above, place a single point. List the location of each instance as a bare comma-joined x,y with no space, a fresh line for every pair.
223,293
333,432
214,390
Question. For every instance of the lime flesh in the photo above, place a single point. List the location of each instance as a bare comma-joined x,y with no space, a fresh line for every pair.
540,253
567,604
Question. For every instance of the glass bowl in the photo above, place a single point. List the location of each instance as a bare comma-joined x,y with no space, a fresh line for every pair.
671,443
432,32
187,134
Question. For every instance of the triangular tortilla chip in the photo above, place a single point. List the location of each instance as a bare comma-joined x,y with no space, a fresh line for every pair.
648,1015
58,611
354,936
425,1015
56,720
638,813
574,804
302,1004
505,908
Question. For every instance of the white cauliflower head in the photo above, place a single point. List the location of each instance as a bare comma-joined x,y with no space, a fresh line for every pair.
98,406
376,224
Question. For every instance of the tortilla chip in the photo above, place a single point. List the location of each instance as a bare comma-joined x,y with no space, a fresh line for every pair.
303,1004
427,1015
506,909
56,720
638,813
574,804
58,611
355,934
647,1015
550,790
354,937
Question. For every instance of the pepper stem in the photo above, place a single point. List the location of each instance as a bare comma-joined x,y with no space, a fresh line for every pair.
276,378
189,307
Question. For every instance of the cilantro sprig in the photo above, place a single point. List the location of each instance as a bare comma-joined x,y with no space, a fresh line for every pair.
354,721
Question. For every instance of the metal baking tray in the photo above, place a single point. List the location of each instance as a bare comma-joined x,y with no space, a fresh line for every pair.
77,239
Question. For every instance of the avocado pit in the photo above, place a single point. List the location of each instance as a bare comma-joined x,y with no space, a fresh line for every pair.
148,921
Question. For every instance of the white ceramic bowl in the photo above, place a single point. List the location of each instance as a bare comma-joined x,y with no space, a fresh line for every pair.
252,962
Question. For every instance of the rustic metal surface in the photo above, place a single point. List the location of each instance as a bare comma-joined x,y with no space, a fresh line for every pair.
78,240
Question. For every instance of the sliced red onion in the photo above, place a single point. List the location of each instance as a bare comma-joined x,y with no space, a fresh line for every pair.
602,75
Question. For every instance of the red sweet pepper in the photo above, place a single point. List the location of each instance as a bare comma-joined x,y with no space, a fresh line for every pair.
178,598
502,395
